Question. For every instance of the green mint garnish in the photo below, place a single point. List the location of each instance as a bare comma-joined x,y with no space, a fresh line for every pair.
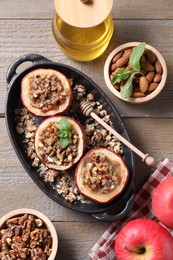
126,91
128,75
120,75
64,124
135,56
64,142
64,132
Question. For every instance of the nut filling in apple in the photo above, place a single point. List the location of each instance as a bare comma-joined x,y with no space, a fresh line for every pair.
46,92
100,174
56,147
50,149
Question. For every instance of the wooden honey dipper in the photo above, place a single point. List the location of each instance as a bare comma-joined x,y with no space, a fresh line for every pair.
87,110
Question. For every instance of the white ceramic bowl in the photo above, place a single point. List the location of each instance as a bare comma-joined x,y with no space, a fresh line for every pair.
41,216
131,99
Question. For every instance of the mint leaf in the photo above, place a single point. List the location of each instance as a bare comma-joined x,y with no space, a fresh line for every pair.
120,75
69,135
64,124
127,88
64,132
136,55
64,142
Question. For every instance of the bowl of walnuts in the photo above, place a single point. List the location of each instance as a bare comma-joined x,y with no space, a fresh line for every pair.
135,72
27,234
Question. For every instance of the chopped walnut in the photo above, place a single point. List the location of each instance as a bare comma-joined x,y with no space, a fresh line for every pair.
46,92
25,237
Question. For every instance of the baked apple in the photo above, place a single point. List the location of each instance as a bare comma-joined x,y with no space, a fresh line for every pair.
46,92
101,175
59,142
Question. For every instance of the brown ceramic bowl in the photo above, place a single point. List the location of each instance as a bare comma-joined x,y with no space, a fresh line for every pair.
136,100
47,223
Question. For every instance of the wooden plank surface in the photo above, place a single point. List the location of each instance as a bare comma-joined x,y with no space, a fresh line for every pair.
76,239
19,37
44,9
25,27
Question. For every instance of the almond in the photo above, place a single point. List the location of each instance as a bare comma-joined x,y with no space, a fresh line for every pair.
150,76
158,67
157,78
152,87
117,56
147,66
142,59
136,89
143,72
121,86
143,84
151,56
113,67
135,81
117,86
138,94
122,61
122,83
127,53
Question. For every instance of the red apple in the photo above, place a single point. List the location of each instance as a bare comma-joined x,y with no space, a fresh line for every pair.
144,239
162,202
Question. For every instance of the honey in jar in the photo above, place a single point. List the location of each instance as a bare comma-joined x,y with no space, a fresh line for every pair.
83,32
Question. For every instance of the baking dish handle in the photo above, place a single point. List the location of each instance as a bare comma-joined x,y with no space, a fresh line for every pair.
34,58
112,215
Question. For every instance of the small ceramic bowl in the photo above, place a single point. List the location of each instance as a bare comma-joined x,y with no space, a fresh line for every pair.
47,224
148,96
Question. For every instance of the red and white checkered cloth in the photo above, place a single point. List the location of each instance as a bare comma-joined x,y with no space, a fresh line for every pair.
104,248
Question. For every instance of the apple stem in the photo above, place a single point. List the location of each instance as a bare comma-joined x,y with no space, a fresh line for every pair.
139,251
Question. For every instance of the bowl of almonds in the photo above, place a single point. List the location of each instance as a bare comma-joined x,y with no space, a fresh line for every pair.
27,234
135,72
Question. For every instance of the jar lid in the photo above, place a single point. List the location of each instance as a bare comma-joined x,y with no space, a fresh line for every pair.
83,15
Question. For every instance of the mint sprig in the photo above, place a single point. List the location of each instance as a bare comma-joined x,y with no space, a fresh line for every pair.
126,91
135,56
64,132
128,75
120,75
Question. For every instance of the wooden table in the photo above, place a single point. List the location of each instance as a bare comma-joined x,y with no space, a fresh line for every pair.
25,27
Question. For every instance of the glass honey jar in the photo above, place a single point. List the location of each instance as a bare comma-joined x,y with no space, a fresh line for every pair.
83,30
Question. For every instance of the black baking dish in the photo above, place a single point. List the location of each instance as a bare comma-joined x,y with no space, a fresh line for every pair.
109,212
